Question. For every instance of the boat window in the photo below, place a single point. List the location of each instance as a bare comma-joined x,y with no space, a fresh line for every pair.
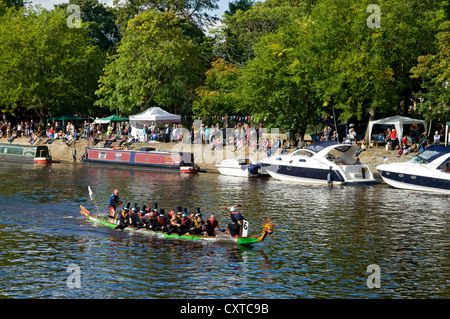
425,157
102,155
118,156
303,152
445,166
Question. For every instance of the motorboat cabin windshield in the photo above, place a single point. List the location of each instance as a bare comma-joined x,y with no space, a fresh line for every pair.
429,155
339,155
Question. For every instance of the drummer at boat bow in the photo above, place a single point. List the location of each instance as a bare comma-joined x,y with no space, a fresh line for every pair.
114,202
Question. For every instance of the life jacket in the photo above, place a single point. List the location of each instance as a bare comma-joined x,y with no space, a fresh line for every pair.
213,223
197,223
185,221
161,222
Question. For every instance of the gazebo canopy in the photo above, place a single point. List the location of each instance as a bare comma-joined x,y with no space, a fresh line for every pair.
153,114
398,121
111,118
66,117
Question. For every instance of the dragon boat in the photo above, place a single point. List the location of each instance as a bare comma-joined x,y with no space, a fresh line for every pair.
221,237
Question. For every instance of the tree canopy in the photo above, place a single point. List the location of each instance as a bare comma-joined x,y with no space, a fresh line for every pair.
44,65
288,62
155,64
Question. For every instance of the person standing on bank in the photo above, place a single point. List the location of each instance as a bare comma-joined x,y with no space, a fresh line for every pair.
74,154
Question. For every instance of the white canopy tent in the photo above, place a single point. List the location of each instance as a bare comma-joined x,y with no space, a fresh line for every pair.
398,121
152,115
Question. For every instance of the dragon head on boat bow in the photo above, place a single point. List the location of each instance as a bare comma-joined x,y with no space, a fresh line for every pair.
268,227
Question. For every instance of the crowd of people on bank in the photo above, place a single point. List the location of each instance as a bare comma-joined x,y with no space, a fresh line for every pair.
239,136
176,221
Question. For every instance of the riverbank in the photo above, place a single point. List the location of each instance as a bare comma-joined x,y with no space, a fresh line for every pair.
204,157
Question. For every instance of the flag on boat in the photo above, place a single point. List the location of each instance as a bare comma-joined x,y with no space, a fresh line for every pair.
90,192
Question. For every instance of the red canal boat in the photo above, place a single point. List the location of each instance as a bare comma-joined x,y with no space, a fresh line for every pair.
182,161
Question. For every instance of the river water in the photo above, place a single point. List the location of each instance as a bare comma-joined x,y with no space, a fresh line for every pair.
326,243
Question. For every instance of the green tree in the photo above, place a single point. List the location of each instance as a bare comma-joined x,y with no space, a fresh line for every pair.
192,10
236,39
368,68
234,6
434,71
280,83
218,95
44,65
101,21
155,64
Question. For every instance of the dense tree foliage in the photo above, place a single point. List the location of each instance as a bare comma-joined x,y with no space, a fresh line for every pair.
289,62
44,65
101,22
156,64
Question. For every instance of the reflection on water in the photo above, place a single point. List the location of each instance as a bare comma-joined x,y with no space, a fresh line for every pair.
324,239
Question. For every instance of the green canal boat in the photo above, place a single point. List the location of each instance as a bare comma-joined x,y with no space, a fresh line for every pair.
25,154
222,237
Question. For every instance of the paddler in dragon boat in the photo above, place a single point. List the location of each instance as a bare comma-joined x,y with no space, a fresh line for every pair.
197,224
173,222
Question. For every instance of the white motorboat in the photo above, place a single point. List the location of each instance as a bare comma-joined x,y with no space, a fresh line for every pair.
320,163
427,171
243,167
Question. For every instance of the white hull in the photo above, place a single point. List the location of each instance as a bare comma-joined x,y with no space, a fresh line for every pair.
413,187
289,178
233,171
427,171
324,163
238,167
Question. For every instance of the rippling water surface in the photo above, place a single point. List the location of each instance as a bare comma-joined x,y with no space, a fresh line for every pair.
324,239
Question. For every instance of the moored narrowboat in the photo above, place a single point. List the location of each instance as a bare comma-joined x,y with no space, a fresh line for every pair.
25,154
183,161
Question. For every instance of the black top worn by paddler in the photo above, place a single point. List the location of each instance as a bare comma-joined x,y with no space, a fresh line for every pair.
135,218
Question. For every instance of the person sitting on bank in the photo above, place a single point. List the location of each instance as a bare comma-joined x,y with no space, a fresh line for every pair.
236,222
211,226
13,136
110,140
98,138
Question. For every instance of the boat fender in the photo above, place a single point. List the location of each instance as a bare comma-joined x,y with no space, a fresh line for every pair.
330,177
